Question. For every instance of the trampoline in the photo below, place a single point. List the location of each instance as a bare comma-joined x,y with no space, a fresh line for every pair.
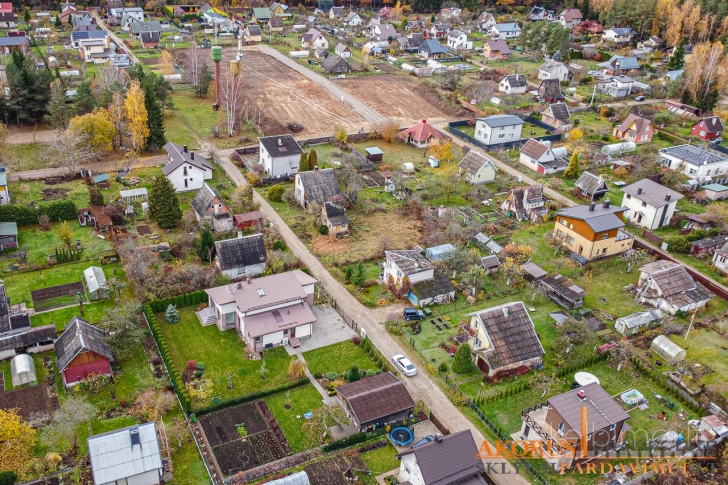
401,436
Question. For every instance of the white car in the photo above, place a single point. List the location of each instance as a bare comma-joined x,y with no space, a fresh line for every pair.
404,365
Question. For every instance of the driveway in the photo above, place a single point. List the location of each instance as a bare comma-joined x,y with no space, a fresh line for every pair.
329,329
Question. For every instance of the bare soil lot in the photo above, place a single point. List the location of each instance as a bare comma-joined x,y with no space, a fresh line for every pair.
401,98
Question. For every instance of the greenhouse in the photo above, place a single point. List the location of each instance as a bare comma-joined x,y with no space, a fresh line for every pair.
440,253
22,370
298,478
667,349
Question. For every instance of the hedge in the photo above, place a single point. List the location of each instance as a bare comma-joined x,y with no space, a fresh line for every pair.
60,210
188,299
354,439
253,396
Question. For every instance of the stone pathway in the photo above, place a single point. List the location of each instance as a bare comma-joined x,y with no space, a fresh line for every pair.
325,397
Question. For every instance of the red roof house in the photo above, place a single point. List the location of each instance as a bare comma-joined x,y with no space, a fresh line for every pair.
81,350
420,135
590,27
708,128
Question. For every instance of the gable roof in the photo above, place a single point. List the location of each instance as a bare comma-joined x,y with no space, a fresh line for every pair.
88,34
641,124
651,192
571,14
332,61
261,13
386,30
713,124
432,46
529,193
507,27
490,262
452,459
275,22
204,197
516,80
409,261
622,31
14,41
692,155
351,16
564,287
551,89
602,410
311,35
8,228
263,292
676,284
33,336
337,11
254,29
551,66
511,333
496,121
325,5
559,111
639,319
473,162
181,155
621,62
319,185
599,218
336,214
421,132
280,145
95,278
341,48
534,149
376,397
150,26
455,34
501,46
591,183
79,336
241,251
117,454
483,18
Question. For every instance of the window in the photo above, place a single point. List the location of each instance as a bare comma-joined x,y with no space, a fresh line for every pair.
629,196
613,427
229,318
563,222
604,251
569,240
184,171
501,136
406,469
693,171
588,437
259,339
559,233
480,133
702,133
631,135
475,325
562,429
122,481
185,183
571,226
502,128
477,342
644,204
285,331
604,236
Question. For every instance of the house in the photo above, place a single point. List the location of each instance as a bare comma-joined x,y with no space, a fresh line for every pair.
439,30
619,65
694,162
82,350
558,116
698,222
498,49
539,13
513,84
590,27
552,69
8,18
449,12
550,91
680,108
342,51
129,455
720,259
541,158
137,13
372,402
444,460
713,430
458,40
261,15
484,22
279,155
320,53
334,217
477,168
431,49
617,86
95,50
241,256
708,128
622,35
525,203
428,284
385,12
593,231
4,192
591,186
210,208
712,191
96,216
184,170
334,64
317,185
253,33
94,280
634,128
652,44
86,34
249,219
275,25
707,245
505,338
267,312
497,129
570,17
420,135
336,13
383,32
313,38
584,418
562,290
505,31
668,286
636,322
649,204
12,43
149,33
8,235
353,20
101,180
415,25
277,8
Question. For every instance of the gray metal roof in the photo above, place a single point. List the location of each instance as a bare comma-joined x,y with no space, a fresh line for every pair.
509,27
8,228
692,155
180,155
117,454
496,121
651,192
95,278
600,219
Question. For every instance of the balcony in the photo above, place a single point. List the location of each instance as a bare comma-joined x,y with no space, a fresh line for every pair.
623,235
535,418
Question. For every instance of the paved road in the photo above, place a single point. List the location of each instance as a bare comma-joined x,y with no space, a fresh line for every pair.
119,42
369,114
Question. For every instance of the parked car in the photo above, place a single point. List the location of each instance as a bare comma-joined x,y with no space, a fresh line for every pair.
639,98
404,365
312,62
413,314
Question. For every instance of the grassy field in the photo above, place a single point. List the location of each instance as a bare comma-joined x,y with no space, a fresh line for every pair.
92,313
26,157
337,358
704,346
303,400
380,461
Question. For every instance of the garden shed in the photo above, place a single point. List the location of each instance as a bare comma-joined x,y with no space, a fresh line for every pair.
667,349
440,253
95,281
133,195
374,154
635,322
22,370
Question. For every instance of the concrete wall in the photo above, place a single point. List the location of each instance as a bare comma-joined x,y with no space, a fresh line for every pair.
195,178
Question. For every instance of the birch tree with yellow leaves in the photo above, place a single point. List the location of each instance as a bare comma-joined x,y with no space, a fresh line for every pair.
18,440
136,115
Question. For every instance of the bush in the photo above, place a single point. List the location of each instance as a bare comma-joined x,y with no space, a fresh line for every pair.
252,179
462,364
353,374
678,244
331,375
8,478
323,229
443,367
275,193
60,210
279,245
191,364
318,375
200,366
356,340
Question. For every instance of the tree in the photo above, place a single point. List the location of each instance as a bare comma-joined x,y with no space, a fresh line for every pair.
322,420
704,74
340,134
195,69
296,369
474,276
58,24
231,98
178,431
29,89
57,109
74,411
275,193
18,441
171,315
575,135
388,131
136,114
155,120
97,128
96,198
441,149
123,324
572,171
8,478
353,374
558,40
164,206
718,214
303,165
518,252
677,59
206,244
637,257
84,101
462,364
26,15
166,62
118,117
69,149
672,178
200,391
545,382
312,159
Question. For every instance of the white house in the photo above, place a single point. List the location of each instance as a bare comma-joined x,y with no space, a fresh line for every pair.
313,38
267,312
720,259
383,32
241,256
428,284
184,170
353,20
617,86
554,70
342,51
668,286
484,22
693,161
137,13
279,155
513,84
571,17
541,158
649,204
445,457
458,40
477,168
496,129
129,455
619,35
505,31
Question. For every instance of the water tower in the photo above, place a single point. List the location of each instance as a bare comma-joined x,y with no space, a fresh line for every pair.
216,58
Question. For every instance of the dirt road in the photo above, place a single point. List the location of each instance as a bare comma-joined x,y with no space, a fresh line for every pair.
17,137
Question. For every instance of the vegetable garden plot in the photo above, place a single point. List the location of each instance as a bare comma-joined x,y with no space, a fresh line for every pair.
42,297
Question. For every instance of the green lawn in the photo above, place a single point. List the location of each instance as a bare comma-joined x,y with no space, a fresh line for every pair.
380,460
40,372
303,400
337,358
222,352
92,313
26,157
188,468
704,346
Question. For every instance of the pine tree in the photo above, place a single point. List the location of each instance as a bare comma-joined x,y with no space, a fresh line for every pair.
205,244
58,114
312,159
586,10
354,374
155,121
58,23
572,171
172,314
677,60
164,206
303,165
84,101
462,364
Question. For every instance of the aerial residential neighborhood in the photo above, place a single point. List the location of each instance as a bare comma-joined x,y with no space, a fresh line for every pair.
328,243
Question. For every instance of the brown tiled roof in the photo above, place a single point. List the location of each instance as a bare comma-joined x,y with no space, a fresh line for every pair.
376,397
248,216
571,14
511,333
602,410
534,149
450,460
472,162
421,132
641,124
671,278
713,124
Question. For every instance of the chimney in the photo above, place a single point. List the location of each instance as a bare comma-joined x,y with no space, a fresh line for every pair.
248,279
192,155
240,234
581,395
606,204
505,311
591,207
424,120
639,190
184,148
668,197
280,142
438,438
240,286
